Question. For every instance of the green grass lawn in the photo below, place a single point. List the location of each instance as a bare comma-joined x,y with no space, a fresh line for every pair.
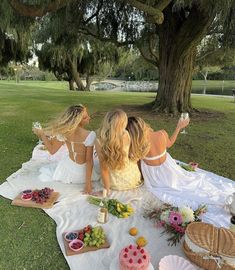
33,245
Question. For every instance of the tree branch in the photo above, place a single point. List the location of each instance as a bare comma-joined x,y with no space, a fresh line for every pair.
204,55
36,10
145,56
88,31
152,52
100,5
155,15
190,34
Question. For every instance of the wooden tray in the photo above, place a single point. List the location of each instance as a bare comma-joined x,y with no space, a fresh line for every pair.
48,204
70,252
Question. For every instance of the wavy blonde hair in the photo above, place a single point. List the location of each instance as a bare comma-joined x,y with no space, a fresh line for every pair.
66,122
138,131
110,137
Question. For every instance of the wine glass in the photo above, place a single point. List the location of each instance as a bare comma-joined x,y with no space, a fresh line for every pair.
184,116
38,126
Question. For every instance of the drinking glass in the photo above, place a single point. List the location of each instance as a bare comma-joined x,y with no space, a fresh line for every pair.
184,116
38,126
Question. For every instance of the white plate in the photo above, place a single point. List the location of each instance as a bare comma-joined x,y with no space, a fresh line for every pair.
115,264
173,262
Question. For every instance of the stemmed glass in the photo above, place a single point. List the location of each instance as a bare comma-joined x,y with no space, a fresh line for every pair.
38,126
184,116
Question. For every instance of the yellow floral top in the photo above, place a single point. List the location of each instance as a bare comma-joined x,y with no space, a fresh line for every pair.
127,178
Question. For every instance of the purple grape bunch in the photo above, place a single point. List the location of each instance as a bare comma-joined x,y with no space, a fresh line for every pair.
41,196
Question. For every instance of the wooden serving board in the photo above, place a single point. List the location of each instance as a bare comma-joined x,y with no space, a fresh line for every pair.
70,252
48,204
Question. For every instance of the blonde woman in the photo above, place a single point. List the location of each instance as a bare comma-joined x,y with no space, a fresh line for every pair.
117,170
69,129
163,176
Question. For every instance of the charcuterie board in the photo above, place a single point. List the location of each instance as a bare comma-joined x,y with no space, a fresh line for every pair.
50,201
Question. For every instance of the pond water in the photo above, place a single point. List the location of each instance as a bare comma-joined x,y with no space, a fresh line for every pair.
136,86
213,91
145,86
103,86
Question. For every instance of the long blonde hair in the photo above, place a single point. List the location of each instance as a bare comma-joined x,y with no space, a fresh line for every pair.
138,131
66,122
110,137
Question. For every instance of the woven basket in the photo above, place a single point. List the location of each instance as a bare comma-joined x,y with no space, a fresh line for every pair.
211,243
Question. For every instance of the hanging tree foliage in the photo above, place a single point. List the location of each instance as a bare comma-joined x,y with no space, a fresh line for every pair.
67,53
167,33
14,35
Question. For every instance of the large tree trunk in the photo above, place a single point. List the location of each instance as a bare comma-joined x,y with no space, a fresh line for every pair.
75,74
88,82
178,37
175,81
71,85
205,81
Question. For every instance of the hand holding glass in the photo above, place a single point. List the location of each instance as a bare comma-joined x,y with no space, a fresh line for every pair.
37,125
184,116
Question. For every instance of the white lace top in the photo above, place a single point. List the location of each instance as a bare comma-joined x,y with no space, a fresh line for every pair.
89,141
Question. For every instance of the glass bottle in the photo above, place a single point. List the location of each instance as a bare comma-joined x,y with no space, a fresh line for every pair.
102,216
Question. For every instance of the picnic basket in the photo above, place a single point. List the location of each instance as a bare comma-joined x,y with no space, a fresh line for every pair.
209,247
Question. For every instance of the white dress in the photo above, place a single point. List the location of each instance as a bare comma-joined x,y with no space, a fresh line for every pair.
67,170
172,184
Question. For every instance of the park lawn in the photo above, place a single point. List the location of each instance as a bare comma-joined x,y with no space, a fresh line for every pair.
28,239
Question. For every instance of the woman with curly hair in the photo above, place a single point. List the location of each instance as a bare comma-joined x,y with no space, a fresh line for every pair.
118,171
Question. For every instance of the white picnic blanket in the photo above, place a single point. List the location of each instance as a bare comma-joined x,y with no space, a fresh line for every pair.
74,212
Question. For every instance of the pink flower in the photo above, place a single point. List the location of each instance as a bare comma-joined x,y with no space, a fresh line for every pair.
160,224
175,218
178,228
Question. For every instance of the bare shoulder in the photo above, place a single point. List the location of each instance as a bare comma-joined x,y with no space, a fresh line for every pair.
86,132
83,133
163,132
159,134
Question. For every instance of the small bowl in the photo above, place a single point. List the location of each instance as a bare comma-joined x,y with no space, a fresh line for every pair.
74,237
27,191
77,242
26,196
194,165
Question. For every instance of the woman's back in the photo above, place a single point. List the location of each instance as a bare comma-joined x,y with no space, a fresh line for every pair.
129,176
158,145
113,146
77,143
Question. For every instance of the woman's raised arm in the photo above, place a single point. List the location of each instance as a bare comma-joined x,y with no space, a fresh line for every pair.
52,145
180,125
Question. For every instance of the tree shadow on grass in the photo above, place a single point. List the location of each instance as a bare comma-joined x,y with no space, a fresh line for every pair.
145,111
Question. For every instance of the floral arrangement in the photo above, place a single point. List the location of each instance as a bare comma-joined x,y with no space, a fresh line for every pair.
174,220
114,206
